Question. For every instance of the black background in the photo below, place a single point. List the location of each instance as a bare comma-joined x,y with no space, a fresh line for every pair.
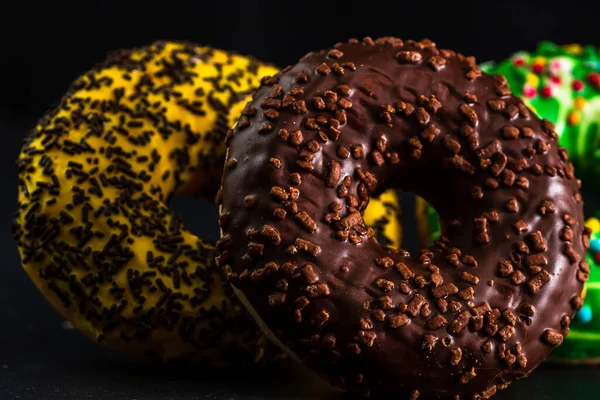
44,45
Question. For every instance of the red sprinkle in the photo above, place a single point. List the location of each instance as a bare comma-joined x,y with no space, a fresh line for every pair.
529,91
537,68
546,91
556,79
577,85
597,257
519,61
594,79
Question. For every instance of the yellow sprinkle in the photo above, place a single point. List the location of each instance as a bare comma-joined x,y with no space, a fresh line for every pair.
533,80
539,60
574,118
580,102
573,48
584,292
593,223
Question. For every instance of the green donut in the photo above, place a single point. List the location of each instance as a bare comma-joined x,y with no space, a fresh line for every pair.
562,84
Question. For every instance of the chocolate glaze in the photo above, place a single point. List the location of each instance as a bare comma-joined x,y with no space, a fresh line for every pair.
486,304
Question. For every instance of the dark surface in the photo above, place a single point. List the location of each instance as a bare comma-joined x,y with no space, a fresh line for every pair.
47,44
54,363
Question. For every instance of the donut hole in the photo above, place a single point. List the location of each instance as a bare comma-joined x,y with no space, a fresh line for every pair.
427,222
199,217
410,229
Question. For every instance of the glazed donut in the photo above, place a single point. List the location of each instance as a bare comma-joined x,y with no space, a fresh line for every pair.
464,318
95,175
562,84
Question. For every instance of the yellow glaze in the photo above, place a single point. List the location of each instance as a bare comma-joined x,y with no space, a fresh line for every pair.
93,227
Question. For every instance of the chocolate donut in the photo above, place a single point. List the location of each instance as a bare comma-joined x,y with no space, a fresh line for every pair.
485,304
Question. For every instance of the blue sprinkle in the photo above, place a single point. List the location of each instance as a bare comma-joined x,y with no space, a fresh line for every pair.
595,245
585,314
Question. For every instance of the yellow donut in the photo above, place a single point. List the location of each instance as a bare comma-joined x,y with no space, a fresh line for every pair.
383,215
93,227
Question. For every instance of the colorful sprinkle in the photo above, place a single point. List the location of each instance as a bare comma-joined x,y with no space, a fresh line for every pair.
546,91
533,80
574,118
555,66
529,90
556,79
580,103
574,48
585,314
537,68
594,79
518,61
593,223
595,245
577,85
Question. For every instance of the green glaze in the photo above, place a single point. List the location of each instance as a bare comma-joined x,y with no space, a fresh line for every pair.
562,84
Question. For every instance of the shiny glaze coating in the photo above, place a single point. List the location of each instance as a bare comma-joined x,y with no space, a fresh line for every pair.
485,305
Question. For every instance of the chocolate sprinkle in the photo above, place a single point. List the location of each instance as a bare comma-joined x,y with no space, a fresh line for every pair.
93,226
